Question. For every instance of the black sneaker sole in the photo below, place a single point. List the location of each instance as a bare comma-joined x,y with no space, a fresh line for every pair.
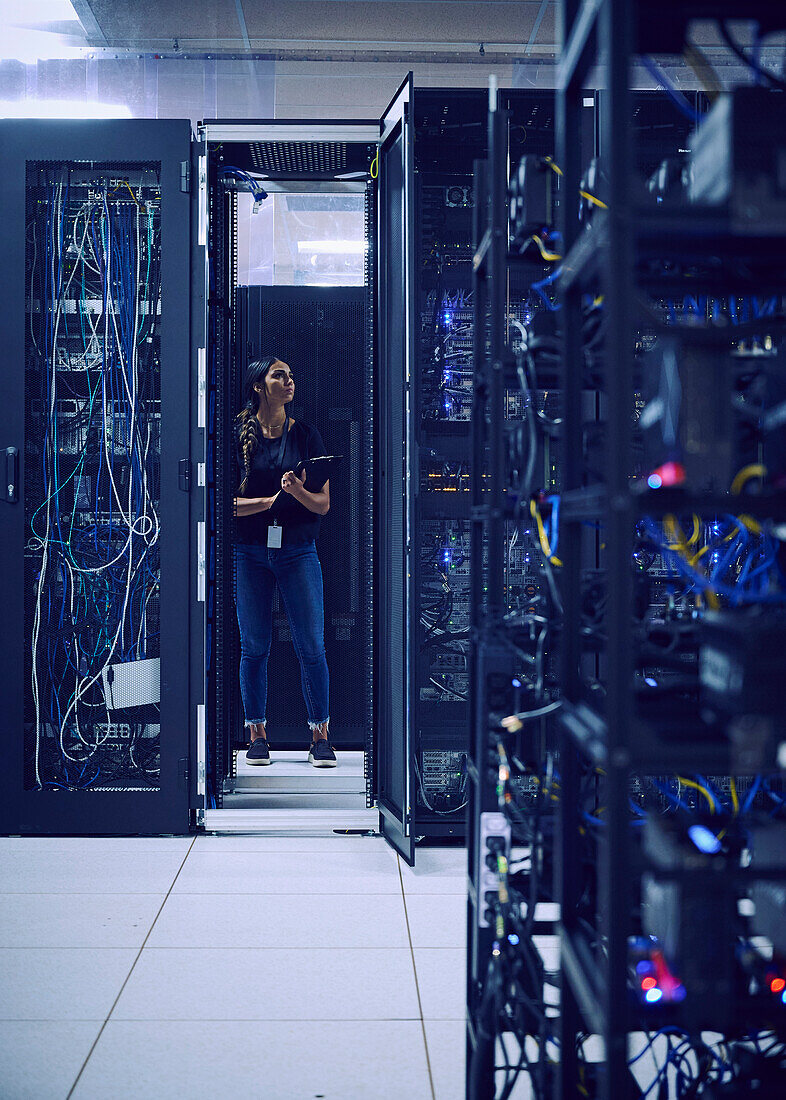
321,763
262,762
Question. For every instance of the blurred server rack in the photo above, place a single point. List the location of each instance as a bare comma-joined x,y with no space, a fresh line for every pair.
515,603
94,426
659,856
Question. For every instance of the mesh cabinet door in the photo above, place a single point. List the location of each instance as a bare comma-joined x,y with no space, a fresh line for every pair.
393,672
95,530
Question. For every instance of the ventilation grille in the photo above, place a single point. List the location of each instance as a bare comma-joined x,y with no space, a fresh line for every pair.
299,157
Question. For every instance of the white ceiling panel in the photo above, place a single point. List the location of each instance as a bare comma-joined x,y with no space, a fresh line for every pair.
257,25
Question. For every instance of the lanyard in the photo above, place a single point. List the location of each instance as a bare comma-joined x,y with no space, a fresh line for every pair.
282,448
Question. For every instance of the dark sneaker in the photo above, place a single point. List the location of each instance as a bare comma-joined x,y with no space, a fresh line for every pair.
259,753
321,754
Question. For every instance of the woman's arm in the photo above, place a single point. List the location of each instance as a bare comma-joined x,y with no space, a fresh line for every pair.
249,506
315,502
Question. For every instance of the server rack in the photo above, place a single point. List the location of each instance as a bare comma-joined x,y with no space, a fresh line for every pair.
633,248
500,975
95,701
451,134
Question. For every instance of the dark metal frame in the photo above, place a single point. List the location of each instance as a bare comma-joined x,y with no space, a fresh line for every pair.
167,142
488,577
393,447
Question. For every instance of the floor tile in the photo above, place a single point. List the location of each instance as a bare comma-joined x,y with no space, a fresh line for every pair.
275,984
61,983
77,920
442,982
282,920
89,872
170,1060
446,1041
437,920
215,872
436,871
87,846
40,1060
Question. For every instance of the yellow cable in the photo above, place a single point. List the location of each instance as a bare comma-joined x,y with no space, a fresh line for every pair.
750,523
591,199
694,538
735,802
373,170
745,475
543,250
698,787
554,166
678,543
542,536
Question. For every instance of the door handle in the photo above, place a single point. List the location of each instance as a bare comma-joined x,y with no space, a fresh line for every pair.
10,486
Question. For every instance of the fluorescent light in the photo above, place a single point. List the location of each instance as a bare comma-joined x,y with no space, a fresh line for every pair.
333,247
42,11
62,108
28,46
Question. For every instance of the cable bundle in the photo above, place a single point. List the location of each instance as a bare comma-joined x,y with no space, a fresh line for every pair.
93,455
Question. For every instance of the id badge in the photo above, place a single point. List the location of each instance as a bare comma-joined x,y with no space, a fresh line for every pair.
274,533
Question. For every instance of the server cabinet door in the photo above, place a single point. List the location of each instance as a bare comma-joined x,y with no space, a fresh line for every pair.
393,653
94,712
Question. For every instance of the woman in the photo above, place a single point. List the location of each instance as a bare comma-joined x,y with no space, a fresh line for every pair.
278,517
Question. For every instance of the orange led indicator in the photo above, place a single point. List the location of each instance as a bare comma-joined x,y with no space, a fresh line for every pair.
777,985
648,983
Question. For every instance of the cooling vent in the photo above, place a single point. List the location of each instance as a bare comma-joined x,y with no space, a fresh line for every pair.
299,158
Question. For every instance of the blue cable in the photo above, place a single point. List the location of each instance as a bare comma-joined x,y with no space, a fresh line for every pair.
677,98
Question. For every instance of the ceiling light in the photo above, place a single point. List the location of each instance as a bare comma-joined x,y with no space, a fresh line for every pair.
332,247
23,13
28,46
62,108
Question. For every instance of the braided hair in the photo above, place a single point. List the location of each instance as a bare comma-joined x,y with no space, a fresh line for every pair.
246,419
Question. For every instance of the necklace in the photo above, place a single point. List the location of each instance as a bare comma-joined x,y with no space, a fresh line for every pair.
266,428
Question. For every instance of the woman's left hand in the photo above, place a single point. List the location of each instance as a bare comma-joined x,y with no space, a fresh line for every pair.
292,483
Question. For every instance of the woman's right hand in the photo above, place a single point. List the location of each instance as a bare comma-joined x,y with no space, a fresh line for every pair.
249,506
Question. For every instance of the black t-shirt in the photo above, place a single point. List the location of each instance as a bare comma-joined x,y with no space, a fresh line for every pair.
298,523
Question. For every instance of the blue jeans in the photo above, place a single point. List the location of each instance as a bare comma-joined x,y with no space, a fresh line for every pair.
297,572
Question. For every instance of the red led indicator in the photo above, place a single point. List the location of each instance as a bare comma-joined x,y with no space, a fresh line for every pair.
777,985
648,983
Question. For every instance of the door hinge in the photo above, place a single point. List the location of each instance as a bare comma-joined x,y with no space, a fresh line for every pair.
185,176
184,474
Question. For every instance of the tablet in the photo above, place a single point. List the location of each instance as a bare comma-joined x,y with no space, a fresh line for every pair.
321,466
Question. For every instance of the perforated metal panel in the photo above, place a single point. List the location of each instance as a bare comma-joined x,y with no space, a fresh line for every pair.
299,158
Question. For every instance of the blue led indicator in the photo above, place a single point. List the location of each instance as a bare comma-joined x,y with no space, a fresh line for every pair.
653,995
516,683
654,481
704,839
513,938
650,682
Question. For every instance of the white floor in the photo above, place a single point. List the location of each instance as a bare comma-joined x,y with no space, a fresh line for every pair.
275,968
